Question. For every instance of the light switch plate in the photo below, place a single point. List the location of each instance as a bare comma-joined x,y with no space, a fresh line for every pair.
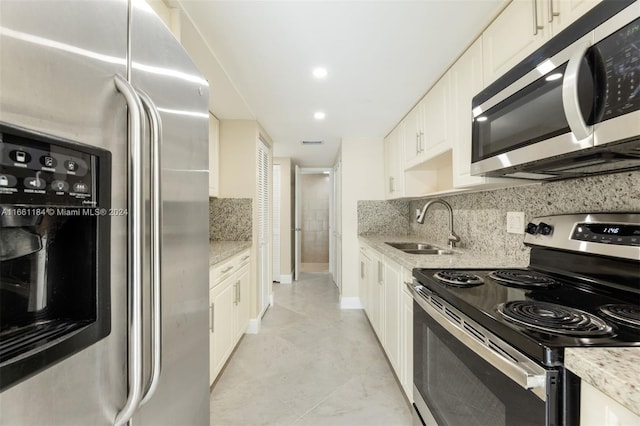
515,222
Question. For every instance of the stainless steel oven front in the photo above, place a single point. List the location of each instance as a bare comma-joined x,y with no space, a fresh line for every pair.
465,375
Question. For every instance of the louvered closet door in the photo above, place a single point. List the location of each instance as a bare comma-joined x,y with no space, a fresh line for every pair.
277,203
264,228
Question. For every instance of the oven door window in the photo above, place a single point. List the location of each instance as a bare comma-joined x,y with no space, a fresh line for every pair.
461,388
533,114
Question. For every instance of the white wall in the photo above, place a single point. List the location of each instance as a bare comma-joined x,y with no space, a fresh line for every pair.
286,224
362,179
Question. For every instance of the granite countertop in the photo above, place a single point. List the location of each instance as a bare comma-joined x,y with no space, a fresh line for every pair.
613,371
221,250
460,259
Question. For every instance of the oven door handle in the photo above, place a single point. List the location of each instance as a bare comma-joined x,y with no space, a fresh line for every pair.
514,365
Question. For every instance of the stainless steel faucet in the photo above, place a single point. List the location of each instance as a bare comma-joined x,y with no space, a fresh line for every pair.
453,237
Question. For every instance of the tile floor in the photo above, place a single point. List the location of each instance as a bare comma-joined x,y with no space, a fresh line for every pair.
311,364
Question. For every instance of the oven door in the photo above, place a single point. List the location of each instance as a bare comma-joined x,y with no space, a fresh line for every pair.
459,380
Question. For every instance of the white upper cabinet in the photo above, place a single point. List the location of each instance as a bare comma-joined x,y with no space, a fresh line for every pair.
436,118
524,26
466,81
394,170
563,13
517,32
214,156
412,137
426,127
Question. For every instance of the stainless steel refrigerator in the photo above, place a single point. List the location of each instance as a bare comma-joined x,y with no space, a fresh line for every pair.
109,75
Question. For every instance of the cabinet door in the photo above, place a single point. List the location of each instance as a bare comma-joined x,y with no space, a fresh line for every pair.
214,155
517,32
407,343
392,288
222,327
212,364
411,137
242,305
436,111
466,82
376,301
394,182
363,287
562,13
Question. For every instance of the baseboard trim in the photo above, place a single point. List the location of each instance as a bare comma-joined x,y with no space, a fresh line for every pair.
286,279
254,326
350,303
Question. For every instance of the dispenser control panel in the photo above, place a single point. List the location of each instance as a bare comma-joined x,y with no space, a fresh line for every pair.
43,171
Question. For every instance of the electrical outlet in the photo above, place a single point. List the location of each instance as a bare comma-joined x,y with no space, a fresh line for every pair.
515,222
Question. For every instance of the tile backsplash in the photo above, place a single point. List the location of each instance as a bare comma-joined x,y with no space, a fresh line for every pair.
230,219
384,217
480,218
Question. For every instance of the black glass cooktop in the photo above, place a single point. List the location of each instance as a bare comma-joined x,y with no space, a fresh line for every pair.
572,306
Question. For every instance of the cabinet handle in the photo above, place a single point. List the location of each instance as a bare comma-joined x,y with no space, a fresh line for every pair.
536,27
362,270
551,12
239,293
225,270
380,272
212,308
417,143
421,142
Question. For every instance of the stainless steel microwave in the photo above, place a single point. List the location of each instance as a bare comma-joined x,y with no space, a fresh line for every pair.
570,109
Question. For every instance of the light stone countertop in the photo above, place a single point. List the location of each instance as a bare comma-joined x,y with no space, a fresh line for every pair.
460,259
221,250
613,371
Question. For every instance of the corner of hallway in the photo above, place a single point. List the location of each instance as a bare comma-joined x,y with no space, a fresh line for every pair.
311,364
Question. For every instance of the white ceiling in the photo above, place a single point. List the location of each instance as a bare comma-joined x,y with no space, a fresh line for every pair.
382,57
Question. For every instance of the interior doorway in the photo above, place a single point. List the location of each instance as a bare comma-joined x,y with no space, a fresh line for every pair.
315,226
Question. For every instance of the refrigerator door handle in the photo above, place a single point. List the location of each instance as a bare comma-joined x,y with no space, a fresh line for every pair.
135,244
156,245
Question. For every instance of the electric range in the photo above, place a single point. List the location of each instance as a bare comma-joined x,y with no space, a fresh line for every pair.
581,289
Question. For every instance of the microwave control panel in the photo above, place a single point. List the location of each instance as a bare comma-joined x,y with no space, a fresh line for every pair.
621,55
37,171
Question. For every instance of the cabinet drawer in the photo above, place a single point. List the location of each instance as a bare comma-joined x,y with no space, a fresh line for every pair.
220,271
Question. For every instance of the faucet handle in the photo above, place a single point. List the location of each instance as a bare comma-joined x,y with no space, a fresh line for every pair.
453,239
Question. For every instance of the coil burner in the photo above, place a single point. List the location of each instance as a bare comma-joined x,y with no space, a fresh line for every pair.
522,278
555,319
458,278
625,315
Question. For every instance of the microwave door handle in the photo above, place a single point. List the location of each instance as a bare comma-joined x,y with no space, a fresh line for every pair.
135,244
156,245
570,95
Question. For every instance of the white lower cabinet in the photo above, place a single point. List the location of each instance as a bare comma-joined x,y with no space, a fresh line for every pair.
598,409
228,309
406,332
392,323
389,307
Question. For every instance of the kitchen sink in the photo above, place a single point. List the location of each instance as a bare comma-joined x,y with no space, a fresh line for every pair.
419,248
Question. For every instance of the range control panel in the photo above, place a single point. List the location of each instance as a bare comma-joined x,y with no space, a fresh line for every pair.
608,233
38,171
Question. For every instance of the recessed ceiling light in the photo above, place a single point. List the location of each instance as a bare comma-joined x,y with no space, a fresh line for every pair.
319,115
483,118
319,72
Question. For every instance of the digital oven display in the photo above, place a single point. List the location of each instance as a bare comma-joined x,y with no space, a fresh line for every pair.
609,233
